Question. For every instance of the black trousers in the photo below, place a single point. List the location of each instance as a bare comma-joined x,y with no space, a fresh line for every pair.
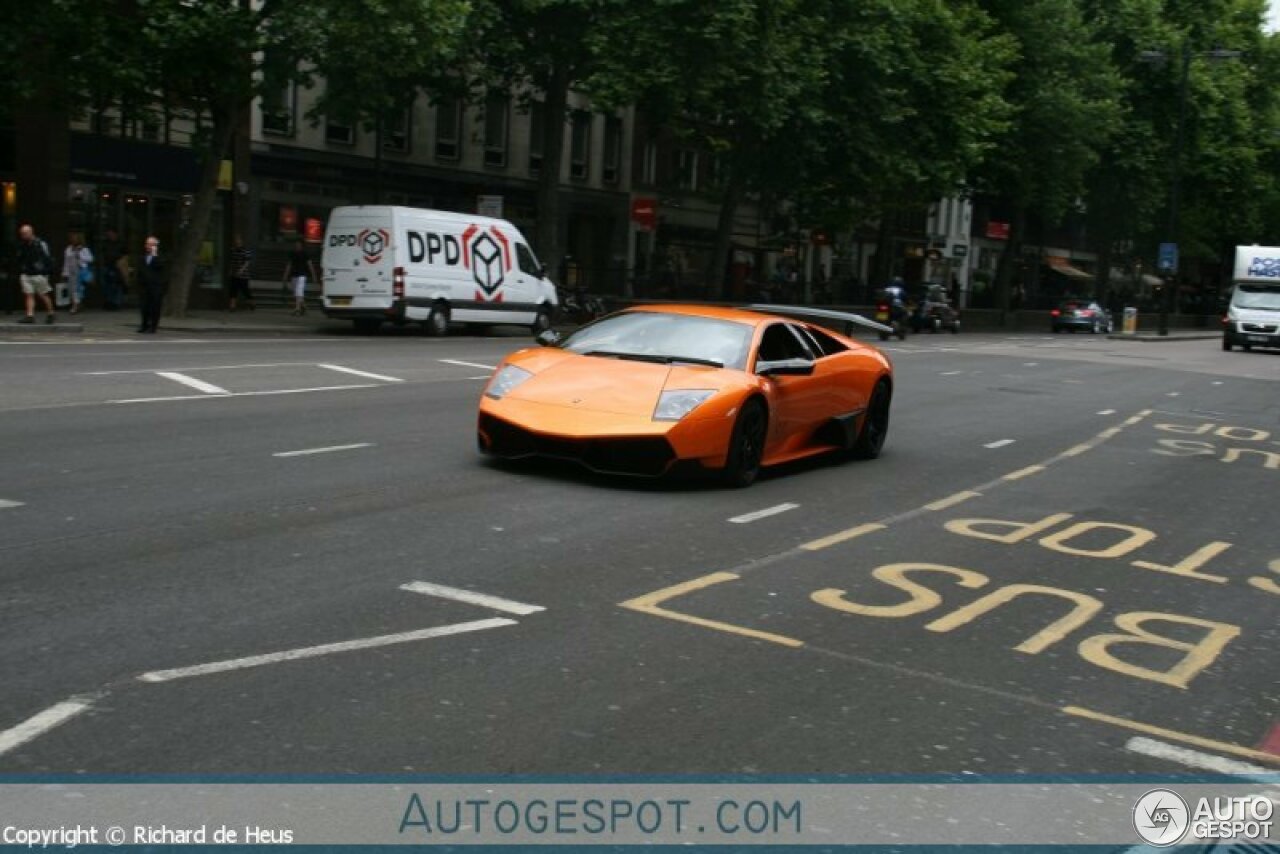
152,302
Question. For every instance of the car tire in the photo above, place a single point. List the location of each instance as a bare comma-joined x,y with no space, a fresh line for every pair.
746,445
884,336
1057,330
437,323
366,325
875,424
1226,343
1094,328
542,322
1246,346
955,327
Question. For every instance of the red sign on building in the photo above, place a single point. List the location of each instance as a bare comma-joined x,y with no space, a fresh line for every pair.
644,213
288,219
313,229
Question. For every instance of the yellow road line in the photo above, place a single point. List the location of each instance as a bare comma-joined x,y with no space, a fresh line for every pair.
1077,450
1021,473
842,536
1173,735
952,500
1109,433
648,604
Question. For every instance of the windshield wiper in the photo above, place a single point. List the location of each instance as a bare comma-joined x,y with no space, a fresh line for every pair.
657,359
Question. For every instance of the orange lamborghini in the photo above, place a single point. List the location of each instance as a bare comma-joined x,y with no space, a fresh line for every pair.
652,389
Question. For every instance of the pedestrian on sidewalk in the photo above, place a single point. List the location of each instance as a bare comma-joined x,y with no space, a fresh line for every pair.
77,269
153,281
112,273
241,274
295,273
35,266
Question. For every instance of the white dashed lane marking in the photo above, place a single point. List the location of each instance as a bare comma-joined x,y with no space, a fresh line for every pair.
471,597
468,364
37,725
999,443
6,504
1107,412
329,450
192,382
365,374
761,514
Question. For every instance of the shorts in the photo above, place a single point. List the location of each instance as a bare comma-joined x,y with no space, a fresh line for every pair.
34,284
299,286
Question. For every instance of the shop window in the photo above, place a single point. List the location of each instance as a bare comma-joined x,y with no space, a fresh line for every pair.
611,165
580,144
449,129
497,109
537,135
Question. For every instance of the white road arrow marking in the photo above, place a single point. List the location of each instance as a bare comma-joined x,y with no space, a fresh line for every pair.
471,597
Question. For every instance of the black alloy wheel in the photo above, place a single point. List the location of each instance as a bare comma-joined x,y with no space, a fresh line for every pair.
438,321
875,424
746,445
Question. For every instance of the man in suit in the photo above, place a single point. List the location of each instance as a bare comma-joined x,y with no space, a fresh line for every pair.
153,281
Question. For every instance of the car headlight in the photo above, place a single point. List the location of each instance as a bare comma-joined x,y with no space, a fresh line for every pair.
506,379
677,403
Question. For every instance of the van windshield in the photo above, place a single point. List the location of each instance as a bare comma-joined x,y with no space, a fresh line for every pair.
1257,297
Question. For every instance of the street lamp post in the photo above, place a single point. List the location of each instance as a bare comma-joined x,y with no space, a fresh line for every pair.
1175,178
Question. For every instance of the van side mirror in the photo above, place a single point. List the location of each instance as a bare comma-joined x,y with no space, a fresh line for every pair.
784,368
548,338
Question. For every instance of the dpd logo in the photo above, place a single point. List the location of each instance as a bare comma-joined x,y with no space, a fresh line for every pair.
1161,818
488,255
373,243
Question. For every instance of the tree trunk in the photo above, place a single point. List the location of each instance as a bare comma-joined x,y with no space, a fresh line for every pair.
1007,268
882,264
183,267
735,190
556,108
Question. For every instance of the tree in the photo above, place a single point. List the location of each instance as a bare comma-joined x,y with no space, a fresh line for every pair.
1065,108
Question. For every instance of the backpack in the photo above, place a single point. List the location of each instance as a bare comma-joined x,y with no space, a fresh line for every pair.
44,260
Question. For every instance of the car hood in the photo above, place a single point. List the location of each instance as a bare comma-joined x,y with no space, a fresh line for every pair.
600,384
1254,315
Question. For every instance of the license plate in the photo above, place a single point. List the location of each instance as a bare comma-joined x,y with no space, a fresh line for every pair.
339,300
1262,339
882,316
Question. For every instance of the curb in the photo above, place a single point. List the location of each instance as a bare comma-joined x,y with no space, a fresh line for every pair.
40,328
1152,337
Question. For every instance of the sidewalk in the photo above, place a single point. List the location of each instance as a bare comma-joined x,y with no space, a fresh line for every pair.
97,321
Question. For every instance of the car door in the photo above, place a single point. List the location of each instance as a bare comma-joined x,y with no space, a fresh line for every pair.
795,401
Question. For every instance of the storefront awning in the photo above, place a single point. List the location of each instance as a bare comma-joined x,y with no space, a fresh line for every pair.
1061,265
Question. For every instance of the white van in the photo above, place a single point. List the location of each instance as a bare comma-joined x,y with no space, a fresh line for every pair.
384,263
1253,314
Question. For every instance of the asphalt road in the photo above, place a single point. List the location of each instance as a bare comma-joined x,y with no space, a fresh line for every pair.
245,555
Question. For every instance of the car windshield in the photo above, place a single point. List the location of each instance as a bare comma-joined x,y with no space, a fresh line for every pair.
1257,297
650,335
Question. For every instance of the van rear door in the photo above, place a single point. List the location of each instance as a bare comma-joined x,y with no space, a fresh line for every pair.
358,259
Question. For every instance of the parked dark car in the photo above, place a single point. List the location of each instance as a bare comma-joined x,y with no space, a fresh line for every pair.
1084,315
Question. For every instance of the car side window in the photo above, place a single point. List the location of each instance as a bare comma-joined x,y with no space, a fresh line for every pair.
826,345
528,264
781,342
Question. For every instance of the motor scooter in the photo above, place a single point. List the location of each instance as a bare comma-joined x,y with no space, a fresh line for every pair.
892,312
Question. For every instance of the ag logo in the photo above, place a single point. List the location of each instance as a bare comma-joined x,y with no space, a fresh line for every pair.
1161,817
487,254
373,243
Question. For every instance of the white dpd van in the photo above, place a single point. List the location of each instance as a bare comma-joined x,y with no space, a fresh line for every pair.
383,263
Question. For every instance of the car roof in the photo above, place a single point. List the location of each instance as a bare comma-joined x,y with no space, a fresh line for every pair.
716,312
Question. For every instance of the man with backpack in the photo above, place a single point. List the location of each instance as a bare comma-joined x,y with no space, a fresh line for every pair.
35,266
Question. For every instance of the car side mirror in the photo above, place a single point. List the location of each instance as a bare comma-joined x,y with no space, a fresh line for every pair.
548,338
784,368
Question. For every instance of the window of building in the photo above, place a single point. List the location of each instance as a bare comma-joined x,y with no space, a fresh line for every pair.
611,164
649,163
686,169
278,105
339,132
449,129
395,130
497,111
580,144
537,131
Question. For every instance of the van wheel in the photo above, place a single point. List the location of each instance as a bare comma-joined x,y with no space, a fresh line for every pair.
367,325
542,322
437,322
